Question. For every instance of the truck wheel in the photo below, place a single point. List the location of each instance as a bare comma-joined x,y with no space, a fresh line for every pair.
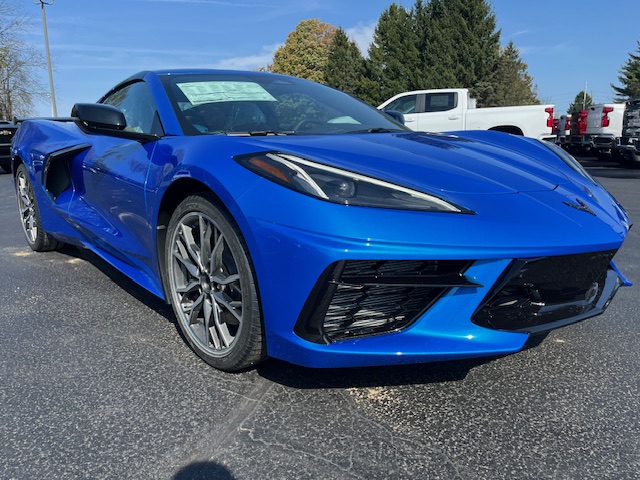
633,160
628,159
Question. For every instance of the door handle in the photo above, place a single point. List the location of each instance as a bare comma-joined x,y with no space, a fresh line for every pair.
454,117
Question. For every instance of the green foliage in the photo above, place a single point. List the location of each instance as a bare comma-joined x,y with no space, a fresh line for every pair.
510,84
462,44
393,64
306,51
435,44
629,78
344,65
582,101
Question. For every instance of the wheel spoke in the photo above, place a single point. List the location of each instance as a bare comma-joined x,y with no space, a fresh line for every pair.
208,311
229,306
220,330
205,242
191,246
216,255
181,253
193,285
193,309
220,279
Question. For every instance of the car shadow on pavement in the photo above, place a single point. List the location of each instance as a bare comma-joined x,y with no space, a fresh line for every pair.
304,378
299,377
122,281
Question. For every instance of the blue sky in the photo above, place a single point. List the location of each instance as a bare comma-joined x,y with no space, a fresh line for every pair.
95,44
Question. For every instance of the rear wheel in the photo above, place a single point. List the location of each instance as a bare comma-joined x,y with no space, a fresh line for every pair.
212,286
37,238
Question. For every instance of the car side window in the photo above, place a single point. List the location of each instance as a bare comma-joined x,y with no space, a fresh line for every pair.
404,104
441,102
136,102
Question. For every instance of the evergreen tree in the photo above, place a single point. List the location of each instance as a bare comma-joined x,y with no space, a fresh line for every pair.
629,78
438,51
510,84
463,45
393,63
306,51
344,65
582,101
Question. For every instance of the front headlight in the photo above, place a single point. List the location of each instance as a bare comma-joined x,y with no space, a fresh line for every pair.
341,186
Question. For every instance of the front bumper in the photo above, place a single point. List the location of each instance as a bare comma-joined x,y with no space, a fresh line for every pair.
316,315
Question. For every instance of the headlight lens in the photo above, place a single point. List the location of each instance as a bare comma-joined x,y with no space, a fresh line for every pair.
341,186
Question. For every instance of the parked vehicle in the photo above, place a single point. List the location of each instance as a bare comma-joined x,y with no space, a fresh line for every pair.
280,217
629,145
452,109
563,129
7,131
578,143
604,128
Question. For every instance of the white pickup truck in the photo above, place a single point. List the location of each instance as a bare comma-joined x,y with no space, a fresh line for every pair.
604,126
597,130
446,110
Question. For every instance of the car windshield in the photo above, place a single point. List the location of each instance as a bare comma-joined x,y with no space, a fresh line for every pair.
266,104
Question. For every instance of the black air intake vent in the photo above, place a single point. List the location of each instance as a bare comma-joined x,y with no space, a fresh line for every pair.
369,297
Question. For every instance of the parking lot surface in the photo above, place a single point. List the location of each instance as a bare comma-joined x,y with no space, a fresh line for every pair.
96,382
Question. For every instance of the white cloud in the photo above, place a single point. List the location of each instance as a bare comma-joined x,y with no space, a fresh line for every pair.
249,62
362,34
209,2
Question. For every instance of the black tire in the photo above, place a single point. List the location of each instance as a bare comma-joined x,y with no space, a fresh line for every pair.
603,155
37,238
212,286
5,167
629,159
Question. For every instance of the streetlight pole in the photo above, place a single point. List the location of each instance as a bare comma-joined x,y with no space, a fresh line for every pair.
54,110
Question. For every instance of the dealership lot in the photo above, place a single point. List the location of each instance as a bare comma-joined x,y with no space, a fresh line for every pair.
96,382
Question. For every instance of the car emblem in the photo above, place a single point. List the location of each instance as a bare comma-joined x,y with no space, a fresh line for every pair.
5,132
580,206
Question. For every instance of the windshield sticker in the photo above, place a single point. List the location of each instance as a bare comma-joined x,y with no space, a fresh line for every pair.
209,92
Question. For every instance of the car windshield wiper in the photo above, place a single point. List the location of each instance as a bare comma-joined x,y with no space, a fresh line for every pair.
258,133
376,130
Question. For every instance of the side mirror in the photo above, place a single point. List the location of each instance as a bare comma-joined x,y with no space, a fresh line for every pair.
99,116
396,115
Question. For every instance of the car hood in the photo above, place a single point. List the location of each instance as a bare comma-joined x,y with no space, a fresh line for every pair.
490,163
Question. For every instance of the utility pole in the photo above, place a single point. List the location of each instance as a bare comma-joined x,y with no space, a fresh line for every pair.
54,110
584,97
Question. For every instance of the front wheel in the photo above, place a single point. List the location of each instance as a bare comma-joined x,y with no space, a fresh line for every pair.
37,238
212,286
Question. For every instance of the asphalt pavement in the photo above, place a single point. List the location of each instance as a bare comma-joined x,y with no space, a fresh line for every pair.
96,382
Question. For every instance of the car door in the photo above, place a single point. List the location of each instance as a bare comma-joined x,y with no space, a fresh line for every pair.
110,207
441,113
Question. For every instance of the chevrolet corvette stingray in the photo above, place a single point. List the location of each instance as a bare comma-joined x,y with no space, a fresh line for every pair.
283,218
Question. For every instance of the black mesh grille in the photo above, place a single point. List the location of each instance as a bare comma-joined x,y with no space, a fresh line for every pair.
533,293
361,298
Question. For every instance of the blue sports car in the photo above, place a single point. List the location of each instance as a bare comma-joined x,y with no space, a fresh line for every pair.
283,218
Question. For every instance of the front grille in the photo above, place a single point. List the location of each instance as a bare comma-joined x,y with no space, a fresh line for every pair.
534,293
362,298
